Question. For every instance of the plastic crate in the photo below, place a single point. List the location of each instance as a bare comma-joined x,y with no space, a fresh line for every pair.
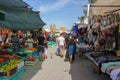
10,49
35,53
9,73
29,53
13,71
4,74
13,77
21,71
20,65
22,50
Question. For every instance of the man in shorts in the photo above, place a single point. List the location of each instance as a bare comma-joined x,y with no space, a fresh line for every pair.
61,43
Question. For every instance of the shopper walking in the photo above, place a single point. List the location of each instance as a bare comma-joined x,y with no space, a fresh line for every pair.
71,47
61,43
45,50
57,46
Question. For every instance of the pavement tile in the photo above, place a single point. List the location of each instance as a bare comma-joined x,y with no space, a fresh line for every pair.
57,68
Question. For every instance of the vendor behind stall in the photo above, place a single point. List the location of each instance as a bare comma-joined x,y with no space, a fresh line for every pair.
15,42
99,44
30,42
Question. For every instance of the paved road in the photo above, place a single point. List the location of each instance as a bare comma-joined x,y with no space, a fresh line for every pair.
56,68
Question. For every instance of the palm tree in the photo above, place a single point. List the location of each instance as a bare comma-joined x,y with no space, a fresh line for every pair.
92,1
85,12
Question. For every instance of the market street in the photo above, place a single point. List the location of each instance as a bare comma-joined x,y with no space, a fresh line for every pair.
56,68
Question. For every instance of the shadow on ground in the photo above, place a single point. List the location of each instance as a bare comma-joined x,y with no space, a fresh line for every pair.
80,70
30,71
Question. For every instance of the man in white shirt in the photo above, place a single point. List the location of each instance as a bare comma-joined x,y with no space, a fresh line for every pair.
57,45
61,43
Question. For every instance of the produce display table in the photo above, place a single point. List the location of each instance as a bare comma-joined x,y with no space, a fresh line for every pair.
24,53
12,64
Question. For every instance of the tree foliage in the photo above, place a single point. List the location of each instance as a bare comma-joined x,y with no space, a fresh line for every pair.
92,1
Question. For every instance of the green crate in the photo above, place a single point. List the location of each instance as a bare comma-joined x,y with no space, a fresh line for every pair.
13,77
10,49
29,53
20,72
22,50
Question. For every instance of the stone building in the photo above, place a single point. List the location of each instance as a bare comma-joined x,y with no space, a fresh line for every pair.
53,28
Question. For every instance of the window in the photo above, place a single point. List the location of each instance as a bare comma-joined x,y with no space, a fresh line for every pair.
2,16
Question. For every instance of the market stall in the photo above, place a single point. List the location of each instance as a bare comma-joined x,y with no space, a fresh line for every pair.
11,67
16,15
105,28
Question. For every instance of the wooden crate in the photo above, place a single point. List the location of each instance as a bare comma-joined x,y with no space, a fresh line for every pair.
30,62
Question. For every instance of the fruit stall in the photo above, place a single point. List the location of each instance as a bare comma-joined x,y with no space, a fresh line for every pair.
29,55
11,67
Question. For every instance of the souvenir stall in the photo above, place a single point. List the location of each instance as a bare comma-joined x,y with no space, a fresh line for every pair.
83,45
105,59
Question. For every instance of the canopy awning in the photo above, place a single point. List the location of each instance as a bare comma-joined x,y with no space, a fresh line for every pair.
5,24
12,3
21,18
100,7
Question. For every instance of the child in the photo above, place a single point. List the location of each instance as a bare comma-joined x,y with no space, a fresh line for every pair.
45,50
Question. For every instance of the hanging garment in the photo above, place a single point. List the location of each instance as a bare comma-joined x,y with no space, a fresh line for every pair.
74,30
114,75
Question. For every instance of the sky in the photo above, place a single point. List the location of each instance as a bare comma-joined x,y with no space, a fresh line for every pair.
59,12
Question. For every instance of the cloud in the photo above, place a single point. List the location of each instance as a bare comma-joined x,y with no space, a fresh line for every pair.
53,5
78,2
